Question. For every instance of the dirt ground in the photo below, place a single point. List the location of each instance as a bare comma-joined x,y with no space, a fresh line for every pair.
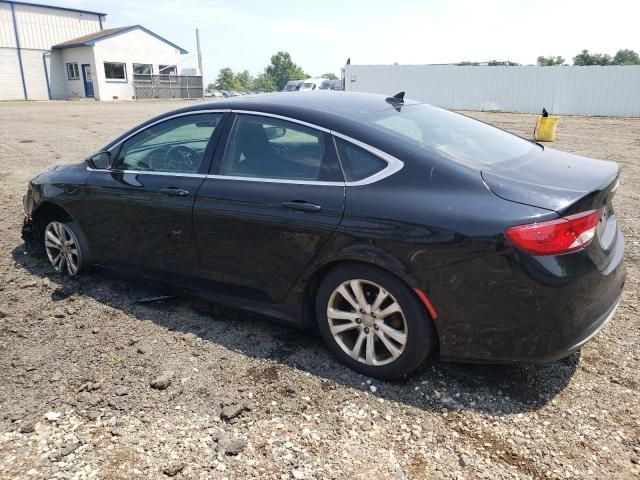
243,397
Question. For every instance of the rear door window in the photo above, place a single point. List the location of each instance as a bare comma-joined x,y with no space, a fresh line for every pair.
271,148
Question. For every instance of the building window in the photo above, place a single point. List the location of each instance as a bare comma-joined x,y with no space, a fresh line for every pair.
142,69
167,70
115,71
73,73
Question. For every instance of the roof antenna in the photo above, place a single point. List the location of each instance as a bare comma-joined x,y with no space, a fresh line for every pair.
397,100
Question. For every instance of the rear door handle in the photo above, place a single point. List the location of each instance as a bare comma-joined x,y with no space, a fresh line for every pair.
175,192
301,206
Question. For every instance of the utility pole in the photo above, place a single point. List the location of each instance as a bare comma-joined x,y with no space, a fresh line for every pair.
199,51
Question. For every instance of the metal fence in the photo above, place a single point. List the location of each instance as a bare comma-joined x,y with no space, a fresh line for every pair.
593,90
167,86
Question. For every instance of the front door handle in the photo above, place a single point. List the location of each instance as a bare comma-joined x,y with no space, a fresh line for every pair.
301,206
175,192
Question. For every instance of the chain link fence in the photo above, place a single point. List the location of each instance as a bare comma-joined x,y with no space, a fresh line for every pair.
167,86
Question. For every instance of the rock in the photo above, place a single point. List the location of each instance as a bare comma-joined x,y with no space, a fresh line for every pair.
290,388
95,330
56,376
117,432
121,391
297,474
58,314
27,427
3,314
373,389
232,411
52,416
173,469
235,446
464,461
93,415
163,381
142,349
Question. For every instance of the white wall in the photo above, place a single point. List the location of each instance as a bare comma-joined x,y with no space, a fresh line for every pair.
135,46
613,90
10,81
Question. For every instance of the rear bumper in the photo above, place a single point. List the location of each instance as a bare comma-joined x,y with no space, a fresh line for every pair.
516,309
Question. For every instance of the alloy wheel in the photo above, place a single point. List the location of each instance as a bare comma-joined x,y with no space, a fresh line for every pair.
61,246
367,322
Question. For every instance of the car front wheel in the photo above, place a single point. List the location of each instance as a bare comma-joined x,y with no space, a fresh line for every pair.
65,247
373,322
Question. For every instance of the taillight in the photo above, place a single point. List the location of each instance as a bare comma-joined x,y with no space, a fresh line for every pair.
563,235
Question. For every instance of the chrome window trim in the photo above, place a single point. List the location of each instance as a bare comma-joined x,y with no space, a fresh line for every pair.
394,164
145,172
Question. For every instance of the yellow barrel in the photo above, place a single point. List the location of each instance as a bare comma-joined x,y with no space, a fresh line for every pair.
546,128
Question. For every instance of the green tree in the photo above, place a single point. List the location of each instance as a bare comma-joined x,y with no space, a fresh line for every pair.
550,61
586,58
467,63
211,87
626,57
330,76
245,79
264,83
227,80
282,69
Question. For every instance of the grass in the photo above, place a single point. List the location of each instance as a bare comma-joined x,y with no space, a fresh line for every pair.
113,359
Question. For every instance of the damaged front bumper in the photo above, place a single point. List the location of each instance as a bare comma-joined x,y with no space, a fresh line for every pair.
30,232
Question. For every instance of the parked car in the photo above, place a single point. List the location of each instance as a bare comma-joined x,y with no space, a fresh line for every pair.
293,86
331,85
394,227
311,84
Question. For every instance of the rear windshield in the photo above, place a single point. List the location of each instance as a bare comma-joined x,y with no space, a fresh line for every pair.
454,136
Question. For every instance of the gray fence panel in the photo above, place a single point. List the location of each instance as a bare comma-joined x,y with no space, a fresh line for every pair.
611,90
167,86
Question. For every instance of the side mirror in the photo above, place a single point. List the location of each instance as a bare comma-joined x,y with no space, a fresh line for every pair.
275,132
100,161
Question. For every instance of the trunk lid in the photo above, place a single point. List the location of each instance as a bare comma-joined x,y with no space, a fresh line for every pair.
567,184
554,180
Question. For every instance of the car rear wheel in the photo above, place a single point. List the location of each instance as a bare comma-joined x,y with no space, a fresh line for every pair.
65,247
373,322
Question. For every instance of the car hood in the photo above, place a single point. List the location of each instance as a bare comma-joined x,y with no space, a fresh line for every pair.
552,179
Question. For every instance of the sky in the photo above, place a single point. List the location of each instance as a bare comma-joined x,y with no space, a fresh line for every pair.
320,35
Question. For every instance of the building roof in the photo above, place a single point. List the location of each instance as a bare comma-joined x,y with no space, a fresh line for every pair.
92,38
56,7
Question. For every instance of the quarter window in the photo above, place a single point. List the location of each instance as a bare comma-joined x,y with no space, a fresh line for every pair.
115,71
357,163
142,69
73,73
262,147
176,145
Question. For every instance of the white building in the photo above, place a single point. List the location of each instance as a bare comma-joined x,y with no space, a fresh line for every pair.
49,52
103,64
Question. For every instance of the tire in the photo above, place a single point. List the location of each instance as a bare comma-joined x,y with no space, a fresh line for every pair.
74,257
389,357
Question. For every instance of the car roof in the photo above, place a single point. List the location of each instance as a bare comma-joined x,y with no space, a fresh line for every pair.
329,109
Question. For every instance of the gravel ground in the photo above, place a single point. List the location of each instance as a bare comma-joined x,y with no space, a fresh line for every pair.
93,385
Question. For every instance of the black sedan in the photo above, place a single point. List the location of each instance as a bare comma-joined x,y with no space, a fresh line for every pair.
393,226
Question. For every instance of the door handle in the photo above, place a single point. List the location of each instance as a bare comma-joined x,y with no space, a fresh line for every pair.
175,192
301,206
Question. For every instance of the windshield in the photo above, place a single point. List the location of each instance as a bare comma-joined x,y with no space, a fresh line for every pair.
455,136
325,85
307,85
